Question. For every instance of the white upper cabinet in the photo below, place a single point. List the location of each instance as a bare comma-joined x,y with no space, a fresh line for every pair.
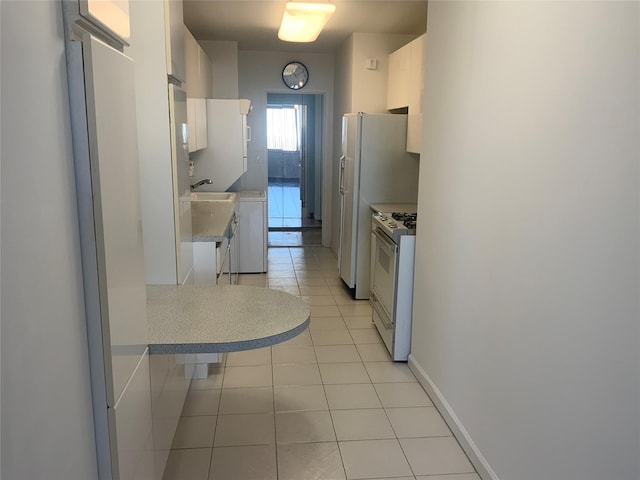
406,88
201,123
198,68
198,80
397,86
192,69
197,123
113,14
416,92
174,30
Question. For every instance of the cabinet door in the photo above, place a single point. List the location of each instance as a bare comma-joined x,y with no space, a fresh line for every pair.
206,256
174,28
198,68
191,124
397,91
252,236
416,92
191,64
206,73
133,421
197,122
201,123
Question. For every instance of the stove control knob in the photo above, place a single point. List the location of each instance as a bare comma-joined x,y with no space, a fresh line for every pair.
393,225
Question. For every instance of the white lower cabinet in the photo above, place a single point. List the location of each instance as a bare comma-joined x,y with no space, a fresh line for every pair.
212,261
252,237
134,431
207,256
170,379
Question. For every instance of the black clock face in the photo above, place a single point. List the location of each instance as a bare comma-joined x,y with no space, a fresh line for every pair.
295,75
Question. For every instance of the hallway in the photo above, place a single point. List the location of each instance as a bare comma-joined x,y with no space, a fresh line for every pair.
285,216
328,404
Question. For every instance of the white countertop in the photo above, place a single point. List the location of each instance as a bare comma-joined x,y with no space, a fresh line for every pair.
222,318
394,207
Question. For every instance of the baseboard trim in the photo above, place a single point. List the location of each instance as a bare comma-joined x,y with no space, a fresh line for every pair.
462,436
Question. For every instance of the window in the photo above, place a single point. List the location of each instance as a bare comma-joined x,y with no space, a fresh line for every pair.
283,128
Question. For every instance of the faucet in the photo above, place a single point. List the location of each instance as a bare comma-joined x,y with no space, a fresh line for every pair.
206,181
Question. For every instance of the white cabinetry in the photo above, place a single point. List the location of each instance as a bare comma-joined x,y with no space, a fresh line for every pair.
208,261
133,422
212,261
198,83
170,378
397,88
252,236
406,88
198,68
174,35
197,123
416,92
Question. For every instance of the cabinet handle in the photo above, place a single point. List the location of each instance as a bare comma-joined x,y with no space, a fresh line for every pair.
341,181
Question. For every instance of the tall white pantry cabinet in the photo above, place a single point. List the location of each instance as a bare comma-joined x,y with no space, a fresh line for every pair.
101,77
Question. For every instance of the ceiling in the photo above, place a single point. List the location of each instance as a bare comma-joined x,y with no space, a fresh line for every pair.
254,23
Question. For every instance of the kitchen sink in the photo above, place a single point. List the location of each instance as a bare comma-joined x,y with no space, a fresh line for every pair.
213,197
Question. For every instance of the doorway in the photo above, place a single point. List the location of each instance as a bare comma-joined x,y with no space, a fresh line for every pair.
294,143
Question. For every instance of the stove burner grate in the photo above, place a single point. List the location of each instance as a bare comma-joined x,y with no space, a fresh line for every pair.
408,219
403,217
410,224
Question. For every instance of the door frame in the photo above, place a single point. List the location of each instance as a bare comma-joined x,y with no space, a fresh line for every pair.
327,155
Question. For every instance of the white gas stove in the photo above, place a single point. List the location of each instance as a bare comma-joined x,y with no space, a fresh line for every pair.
395,224
391,276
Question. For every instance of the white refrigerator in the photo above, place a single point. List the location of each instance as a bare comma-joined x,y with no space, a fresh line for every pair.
104,135
374,168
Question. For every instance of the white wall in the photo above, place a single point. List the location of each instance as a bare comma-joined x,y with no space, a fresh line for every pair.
369,92
527,264
47,426
224,56
260,72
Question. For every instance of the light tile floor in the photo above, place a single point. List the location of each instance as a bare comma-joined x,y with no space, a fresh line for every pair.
326,405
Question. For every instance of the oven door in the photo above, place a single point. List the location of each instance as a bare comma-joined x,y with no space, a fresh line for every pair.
383,276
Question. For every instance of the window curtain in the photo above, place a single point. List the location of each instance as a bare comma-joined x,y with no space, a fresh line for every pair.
283,128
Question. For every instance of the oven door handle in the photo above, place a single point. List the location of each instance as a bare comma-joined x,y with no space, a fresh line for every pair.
382,313
390,246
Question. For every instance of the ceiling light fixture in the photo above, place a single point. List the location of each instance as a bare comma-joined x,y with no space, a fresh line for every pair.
303,22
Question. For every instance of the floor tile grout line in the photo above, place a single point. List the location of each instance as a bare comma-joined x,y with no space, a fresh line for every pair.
275,431
315,354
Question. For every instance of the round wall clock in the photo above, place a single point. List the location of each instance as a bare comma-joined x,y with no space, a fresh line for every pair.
295,75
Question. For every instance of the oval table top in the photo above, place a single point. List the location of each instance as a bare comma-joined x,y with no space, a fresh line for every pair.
221,318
